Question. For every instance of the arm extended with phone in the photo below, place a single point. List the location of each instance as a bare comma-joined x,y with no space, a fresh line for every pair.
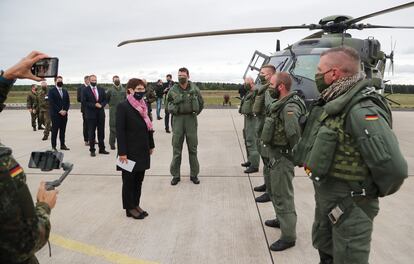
50,160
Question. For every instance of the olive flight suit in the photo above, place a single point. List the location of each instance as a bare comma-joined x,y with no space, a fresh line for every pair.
346,146
249,130
281,131
185,105
114,95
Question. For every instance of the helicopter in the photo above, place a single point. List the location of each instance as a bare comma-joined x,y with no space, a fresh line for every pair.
301,58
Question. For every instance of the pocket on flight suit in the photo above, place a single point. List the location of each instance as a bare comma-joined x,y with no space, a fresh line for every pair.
351,237
268,130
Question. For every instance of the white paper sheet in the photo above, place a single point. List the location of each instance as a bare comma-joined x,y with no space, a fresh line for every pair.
129,166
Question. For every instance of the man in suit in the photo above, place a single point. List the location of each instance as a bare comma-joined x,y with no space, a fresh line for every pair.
94,101
59,104
79,97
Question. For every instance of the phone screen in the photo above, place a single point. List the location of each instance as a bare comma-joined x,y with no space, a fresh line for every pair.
46,161
46,68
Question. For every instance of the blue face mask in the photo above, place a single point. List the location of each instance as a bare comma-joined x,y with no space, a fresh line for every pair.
139,95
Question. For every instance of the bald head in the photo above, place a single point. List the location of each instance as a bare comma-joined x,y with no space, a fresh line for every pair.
249,82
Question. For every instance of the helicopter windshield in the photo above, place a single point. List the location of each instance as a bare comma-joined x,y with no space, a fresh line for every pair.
279,62
306,66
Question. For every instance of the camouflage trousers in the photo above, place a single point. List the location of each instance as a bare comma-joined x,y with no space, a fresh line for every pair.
45,117
349,239
34,117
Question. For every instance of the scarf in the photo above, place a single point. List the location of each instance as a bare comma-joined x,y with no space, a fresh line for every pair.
142,109
341,86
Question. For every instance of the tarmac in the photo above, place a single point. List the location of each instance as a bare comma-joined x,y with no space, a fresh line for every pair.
217,221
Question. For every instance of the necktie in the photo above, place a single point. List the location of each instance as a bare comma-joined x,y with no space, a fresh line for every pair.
60,92
95,93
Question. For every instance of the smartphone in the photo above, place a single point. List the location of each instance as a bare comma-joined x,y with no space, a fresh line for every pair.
46,160
46,68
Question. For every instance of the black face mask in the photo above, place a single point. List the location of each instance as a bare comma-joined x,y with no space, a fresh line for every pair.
117,83
139,95
93,84
59,84
274,92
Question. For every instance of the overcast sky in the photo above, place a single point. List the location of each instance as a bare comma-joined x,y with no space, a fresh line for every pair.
84,34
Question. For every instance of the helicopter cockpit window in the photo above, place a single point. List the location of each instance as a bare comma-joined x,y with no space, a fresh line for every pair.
306,66
279,62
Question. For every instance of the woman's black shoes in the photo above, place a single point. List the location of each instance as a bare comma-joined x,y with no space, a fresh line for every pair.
135,214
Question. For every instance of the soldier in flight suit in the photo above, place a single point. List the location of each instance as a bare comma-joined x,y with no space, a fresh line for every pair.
281,132
350,152
114,95
185,104
24,227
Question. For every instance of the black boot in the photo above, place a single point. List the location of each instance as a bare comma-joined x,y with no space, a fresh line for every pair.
260,188
246,164
264,198
325,258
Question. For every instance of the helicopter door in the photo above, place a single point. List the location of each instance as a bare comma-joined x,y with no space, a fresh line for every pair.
257,61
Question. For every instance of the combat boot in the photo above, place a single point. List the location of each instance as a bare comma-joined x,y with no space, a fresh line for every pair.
251,170
260,188
264,198
273,223
325,258
281,245
246,164
174,181
44,138
195,180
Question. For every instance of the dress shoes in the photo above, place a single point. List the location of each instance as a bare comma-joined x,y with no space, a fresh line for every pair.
112,147
44,138
134,214
260,188
93,154
264,198
167,130
273,223
159,118
54,149
195,180
281,245
251,170
86,143
64,147
246,164
103,152
174,181
34,128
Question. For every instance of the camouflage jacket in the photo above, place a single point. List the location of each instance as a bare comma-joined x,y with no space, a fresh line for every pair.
31,101
24,228
42,100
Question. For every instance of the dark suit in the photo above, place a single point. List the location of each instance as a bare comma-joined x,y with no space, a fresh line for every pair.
85,123
56,104
135,141
95,116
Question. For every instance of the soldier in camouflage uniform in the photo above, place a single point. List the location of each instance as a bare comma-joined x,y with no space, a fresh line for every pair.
281,132
31,103
185,103
149,98
263,100
350,152
114,95
43,106
249,130
24,228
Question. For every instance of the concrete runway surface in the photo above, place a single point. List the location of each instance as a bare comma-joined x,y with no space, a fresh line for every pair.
217,221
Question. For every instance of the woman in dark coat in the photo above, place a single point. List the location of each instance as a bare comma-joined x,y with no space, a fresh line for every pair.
135,141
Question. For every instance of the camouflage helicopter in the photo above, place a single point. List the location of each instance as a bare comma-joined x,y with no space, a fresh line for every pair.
301,58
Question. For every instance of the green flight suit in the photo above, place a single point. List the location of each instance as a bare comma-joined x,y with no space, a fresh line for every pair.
262,101
185,105
24,228
43,106
249,130
114,95
281,131
31,104
150,97
342,146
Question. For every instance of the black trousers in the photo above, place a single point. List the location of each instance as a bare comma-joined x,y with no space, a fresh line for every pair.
167,120
58,125
131,188
93,125
85,128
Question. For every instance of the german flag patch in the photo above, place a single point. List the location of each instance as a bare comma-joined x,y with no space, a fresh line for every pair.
371,117
16,170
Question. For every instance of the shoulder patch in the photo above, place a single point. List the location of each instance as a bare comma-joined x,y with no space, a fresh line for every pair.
371,117
16,170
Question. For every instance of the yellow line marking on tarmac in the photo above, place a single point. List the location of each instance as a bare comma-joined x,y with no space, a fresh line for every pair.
94,251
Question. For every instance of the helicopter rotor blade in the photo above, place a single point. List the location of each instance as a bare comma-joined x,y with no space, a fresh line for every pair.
368,26
388,10
221,32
